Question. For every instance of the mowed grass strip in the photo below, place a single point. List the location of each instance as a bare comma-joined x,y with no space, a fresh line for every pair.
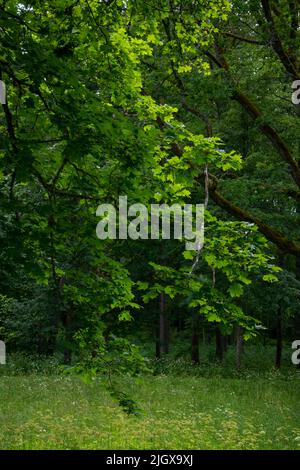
39,412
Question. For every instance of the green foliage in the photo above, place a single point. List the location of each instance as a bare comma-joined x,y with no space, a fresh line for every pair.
234,254
127,404
107,356
112,98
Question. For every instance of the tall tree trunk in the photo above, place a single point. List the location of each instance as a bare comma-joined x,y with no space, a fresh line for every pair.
157,340
67,322
225,343
279,338
203,336
163,327
219,345
195,339
239,347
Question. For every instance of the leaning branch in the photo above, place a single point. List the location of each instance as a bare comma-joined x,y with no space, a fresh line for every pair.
287,61
273,235
286,245
242,38
265,128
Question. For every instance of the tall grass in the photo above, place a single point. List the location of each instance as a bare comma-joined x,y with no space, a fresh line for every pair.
182,408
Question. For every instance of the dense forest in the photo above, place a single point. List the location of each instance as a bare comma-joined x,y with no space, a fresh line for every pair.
165,103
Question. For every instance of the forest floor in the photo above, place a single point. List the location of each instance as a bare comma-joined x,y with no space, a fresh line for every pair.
62,412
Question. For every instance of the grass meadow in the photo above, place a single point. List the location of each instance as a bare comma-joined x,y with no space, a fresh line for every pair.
181,408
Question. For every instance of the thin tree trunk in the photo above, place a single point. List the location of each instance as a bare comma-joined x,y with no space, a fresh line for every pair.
195,340
279,338
163,327
157,341
239,347
67,321
219,345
